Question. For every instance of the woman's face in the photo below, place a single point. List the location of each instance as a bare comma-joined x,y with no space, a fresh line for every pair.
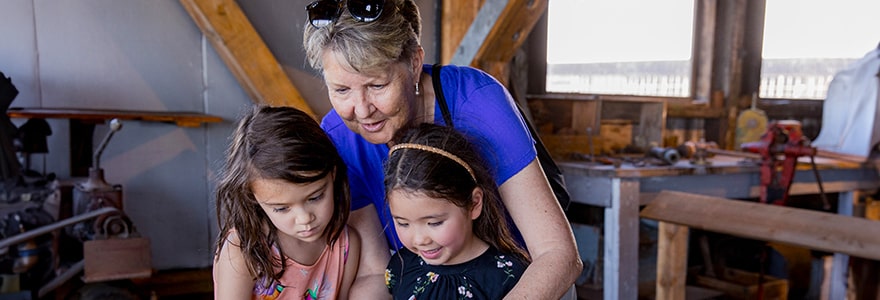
375,103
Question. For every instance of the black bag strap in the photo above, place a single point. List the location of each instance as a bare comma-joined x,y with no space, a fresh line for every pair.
438,91
551,170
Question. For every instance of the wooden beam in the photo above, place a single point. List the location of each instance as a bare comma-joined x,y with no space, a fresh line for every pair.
496,33
457,18
511,30
672,253
244,52
182,119
701,111
800,227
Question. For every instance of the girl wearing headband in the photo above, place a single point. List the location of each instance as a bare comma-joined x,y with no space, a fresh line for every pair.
370,57
448,216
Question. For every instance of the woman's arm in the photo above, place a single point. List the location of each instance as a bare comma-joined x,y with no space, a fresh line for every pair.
351,266
555,260
370,281
231,277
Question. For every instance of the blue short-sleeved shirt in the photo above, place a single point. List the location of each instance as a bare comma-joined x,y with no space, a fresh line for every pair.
481,108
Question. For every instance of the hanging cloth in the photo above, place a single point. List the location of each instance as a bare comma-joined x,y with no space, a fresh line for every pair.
850,112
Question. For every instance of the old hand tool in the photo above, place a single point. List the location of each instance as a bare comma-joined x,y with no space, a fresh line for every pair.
783,138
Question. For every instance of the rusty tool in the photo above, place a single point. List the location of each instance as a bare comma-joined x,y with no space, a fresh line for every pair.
783,138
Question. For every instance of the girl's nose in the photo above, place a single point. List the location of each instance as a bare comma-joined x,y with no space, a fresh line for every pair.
304,217
420,239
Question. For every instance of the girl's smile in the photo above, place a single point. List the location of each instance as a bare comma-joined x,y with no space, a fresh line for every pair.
430,254
435,229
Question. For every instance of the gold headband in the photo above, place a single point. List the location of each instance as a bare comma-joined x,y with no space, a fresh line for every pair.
434,150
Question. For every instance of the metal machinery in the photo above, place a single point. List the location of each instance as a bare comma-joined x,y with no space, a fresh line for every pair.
95,193
47,239
112,248
782,139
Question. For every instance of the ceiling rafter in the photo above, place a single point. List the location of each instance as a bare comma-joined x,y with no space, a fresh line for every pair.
497,31
244,52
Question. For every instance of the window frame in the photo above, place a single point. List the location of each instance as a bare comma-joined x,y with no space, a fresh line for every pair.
726,66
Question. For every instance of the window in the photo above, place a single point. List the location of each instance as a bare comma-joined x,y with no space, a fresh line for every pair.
623,47
806,42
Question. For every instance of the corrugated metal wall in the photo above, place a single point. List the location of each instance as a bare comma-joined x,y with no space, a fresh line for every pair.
149,55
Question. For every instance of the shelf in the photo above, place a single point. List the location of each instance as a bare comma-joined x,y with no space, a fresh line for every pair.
182,119
83,122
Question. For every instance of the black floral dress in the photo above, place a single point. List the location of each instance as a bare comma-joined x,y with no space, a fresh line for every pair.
489,276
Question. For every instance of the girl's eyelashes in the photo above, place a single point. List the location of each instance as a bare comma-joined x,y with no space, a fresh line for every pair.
279,209
430,224
316,198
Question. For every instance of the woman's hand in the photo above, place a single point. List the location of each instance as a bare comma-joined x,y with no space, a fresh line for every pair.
370,281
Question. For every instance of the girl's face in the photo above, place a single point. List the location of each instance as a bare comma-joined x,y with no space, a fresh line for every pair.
435,229
301,211
373,104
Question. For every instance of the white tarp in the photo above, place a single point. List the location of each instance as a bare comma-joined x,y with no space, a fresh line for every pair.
850,112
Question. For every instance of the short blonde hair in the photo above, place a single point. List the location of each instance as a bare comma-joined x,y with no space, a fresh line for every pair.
393,37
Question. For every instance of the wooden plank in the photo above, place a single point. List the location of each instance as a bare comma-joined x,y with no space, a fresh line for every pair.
477,33
511,30
799,227
181,282
116,258
457,18
701,111
652,124
585,114
498,30
498,69
672,256
742,285
244,52
183,119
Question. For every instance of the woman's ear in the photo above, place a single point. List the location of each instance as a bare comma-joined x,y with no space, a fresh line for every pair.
417,60
477,200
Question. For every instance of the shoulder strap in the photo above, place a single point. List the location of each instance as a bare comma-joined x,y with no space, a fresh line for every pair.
438,91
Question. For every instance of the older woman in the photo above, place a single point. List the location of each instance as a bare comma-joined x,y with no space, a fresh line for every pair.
372,63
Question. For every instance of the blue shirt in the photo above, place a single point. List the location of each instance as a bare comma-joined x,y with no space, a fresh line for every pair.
480,107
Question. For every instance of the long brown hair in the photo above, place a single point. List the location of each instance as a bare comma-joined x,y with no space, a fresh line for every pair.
274,143
438,176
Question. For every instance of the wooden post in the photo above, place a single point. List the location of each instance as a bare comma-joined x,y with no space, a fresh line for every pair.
671,261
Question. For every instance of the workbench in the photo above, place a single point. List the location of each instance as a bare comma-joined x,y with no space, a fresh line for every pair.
622,190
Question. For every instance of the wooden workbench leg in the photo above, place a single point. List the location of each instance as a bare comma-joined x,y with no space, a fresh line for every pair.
840,262
621,253
672,247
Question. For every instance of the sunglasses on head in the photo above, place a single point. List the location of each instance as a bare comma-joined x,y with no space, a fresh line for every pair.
325,12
